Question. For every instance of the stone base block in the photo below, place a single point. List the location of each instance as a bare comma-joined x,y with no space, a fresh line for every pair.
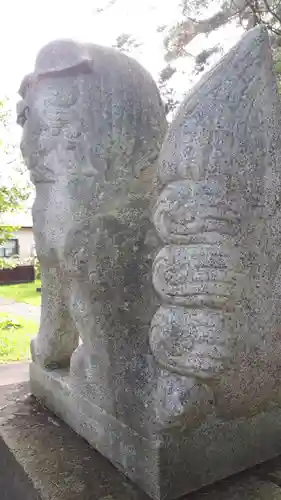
169,465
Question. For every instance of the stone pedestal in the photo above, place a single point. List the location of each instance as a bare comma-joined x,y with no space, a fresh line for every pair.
166,465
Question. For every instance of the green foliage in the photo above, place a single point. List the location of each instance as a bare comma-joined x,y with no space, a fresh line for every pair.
10,263
12,196
24,292
7,323
37,269
6,232
15,335
3,114
198,18
247,13
277,66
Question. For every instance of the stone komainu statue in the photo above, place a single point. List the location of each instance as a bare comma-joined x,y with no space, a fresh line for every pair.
93,124
178,388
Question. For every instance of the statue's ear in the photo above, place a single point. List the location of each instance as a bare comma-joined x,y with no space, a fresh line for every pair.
63,56
25,84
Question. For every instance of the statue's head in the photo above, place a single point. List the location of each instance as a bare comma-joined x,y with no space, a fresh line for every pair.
91,111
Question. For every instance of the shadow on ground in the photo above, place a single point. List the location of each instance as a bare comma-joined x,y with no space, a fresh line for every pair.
14,483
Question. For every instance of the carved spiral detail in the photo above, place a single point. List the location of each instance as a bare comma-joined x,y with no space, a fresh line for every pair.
195,274
190,342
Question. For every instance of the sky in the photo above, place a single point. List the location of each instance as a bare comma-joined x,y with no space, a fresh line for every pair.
27,26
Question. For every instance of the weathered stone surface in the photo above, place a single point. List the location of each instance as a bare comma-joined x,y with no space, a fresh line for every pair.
219,216
61,465
93,124
178,388
168,463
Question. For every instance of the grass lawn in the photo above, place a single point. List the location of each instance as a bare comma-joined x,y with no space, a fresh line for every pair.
15,335
25,292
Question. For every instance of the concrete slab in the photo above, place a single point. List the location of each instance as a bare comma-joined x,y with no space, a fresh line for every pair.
203,456
14,373
62,466
14,483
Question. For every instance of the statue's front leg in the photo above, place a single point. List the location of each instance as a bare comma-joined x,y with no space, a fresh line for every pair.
90,362
57,337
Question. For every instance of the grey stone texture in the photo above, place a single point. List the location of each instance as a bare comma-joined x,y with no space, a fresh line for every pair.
219,218
178,388
172,461
61,465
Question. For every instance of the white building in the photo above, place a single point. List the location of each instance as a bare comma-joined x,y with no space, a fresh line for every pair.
21,242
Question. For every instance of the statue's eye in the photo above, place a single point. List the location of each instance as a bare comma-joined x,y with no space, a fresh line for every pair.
22,113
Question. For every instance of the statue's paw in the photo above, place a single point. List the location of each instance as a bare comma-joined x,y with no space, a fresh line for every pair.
47,359
182,401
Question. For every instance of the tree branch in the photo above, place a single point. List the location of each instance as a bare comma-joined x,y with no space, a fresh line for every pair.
273,13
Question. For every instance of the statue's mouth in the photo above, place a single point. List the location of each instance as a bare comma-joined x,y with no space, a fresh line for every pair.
40,174
22,113
41,181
